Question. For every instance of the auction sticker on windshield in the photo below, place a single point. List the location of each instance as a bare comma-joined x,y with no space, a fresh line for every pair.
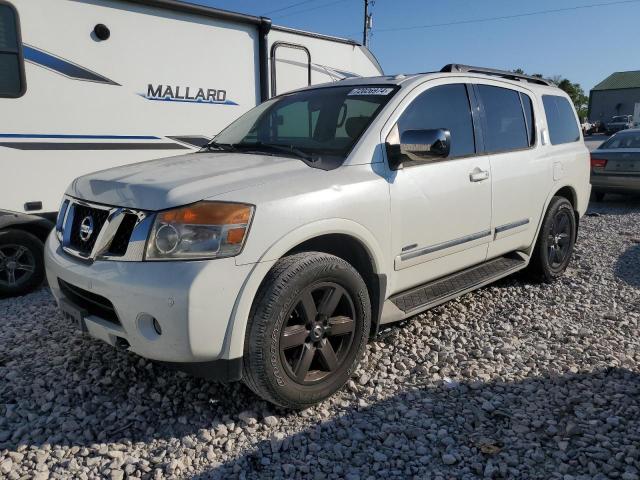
371,91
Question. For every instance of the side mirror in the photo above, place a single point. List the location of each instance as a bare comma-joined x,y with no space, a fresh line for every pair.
419,146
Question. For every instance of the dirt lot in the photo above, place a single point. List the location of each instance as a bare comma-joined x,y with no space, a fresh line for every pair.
516,380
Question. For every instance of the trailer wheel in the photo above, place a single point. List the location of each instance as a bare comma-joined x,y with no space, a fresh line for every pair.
21,262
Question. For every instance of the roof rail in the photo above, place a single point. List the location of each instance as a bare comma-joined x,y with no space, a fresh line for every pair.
457,68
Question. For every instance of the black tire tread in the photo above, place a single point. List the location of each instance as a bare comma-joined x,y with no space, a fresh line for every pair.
37,247
273,285
537,269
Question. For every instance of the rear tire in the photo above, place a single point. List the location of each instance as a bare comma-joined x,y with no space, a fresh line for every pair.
307,330
554,246
21,262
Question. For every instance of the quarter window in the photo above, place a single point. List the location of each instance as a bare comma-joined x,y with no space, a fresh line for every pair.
447,107
12,82
527,107
561,120
506,128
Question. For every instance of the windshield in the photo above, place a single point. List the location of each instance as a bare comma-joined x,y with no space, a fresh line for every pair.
320,126
619,119
622,140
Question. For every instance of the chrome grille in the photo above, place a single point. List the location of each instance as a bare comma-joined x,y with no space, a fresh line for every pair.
82,212
92,231
120,241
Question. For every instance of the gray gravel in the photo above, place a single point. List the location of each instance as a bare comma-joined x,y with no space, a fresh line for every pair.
517,380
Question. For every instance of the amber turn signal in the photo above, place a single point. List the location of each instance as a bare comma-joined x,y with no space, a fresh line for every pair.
209,213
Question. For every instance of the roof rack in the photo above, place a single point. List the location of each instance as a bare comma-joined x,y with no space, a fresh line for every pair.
457,68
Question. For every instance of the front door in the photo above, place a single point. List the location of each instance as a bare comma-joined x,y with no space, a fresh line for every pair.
441,210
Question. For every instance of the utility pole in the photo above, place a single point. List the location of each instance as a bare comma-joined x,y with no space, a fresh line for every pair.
368,22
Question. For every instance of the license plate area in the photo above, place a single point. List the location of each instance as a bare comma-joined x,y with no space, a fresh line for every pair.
73,314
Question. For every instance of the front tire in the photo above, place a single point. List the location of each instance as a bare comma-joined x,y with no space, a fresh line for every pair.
554,246
21,262
307,330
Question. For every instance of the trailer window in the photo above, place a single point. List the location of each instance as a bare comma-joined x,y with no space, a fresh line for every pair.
12,83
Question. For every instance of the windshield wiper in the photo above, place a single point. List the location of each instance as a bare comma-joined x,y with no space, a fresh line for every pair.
281,148
213,146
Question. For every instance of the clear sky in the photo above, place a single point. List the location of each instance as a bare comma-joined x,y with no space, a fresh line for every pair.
584,45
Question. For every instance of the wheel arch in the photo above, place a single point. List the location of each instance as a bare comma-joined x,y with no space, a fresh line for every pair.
570,194
565,191
344,238
37,226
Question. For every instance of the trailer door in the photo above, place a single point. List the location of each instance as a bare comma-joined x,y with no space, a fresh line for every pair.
290,67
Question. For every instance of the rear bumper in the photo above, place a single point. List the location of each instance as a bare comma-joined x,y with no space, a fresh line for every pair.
193,302
616,183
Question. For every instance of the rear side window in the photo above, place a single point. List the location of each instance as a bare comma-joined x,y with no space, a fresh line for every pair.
561,120
446,107
506,126
12,82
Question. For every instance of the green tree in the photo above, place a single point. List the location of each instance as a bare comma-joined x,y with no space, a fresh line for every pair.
574,90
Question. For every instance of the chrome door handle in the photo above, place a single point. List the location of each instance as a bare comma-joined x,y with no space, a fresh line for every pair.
478,175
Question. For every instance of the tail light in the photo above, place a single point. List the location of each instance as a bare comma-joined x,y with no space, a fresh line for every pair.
598,162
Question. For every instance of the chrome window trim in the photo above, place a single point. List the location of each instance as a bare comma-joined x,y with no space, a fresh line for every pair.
137,241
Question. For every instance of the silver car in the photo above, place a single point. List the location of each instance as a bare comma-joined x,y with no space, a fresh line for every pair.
618,123
615,165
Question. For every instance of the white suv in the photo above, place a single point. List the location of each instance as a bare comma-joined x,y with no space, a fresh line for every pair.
317,217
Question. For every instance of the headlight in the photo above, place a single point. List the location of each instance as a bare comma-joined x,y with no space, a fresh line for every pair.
198,231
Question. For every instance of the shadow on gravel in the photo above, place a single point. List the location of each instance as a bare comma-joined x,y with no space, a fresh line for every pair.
615,204
627,267
572,424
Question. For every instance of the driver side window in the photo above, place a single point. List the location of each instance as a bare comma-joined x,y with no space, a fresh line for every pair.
446,107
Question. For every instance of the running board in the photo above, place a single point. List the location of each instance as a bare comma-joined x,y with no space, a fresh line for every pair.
446,288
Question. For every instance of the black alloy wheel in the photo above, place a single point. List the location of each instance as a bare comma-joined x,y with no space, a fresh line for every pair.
307,330
318,333
17,265
21,262
559,238
554,246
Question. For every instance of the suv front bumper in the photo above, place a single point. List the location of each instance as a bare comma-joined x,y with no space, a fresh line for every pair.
192,301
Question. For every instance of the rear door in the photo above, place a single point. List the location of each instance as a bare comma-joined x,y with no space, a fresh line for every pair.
521,173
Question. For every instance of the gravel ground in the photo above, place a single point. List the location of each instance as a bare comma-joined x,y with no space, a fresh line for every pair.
516,380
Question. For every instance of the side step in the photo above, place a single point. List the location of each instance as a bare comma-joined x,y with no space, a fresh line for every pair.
446,288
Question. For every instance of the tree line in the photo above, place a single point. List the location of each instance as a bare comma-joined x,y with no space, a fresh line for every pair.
574,90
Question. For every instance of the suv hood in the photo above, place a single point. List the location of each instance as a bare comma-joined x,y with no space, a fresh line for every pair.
176,181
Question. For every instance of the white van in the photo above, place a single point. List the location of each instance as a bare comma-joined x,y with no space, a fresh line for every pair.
91,84
318,216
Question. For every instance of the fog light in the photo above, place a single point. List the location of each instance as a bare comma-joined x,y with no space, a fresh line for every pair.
157,327
167,239
149,327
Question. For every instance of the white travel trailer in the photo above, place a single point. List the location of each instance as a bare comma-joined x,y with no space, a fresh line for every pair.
90,84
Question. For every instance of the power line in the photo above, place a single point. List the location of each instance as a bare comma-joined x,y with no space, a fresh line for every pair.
505,17
312,8
288,7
